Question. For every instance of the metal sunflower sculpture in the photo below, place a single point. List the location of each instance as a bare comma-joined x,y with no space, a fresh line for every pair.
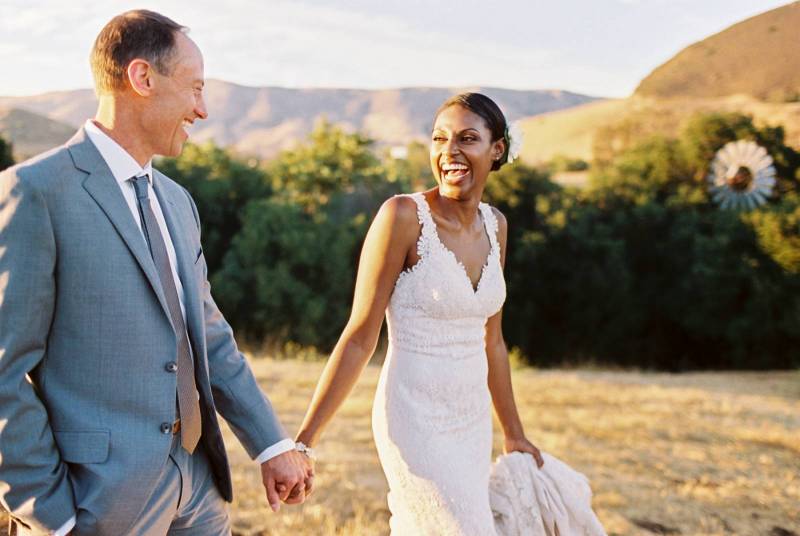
742,176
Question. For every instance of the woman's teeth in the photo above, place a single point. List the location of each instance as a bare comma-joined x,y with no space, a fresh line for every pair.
454,171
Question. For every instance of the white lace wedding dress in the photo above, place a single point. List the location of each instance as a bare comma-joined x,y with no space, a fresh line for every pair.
432,414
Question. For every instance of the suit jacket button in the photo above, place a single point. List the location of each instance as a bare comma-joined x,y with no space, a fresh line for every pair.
172,366
166,428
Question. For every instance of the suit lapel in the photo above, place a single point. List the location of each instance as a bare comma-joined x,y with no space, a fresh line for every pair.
185,257
101,185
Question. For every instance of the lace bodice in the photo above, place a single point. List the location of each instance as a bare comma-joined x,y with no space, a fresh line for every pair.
437,292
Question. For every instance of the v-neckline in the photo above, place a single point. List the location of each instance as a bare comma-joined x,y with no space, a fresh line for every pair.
475,287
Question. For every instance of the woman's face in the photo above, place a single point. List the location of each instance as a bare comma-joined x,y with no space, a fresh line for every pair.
462,152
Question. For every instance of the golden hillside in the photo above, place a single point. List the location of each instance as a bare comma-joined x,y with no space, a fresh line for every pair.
576,132
759,57
753,67
567,132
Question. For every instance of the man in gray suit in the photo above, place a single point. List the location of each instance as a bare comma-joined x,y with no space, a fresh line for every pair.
114,358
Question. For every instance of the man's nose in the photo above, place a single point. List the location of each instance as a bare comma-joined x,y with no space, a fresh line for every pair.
200,108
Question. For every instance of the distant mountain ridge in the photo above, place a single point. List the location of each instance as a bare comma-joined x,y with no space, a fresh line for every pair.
30,132
262,121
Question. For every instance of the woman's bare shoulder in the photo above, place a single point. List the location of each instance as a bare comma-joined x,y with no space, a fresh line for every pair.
398,218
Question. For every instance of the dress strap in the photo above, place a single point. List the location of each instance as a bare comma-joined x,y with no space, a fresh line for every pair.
428,230
490,224
424,215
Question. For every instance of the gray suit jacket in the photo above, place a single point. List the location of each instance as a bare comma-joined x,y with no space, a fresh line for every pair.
84,339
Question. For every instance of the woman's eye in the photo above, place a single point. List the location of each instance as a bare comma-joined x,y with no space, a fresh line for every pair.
439,138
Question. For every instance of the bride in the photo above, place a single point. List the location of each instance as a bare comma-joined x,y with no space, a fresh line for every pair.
432,262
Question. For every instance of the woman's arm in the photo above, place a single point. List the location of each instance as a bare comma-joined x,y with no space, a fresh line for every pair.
500,372
392,234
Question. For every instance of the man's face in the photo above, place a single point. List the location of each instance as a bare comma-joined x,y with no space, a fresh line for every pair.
178,98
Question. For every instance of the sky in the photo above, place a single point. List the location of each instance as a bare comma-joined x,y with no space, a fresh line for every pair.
596,47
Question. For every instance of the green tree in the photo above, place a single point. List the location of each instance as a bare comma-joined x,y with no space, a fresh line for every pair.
640,270
569,282
643,270
778,232
221,186
331,164
290,271
288,275
652,170
412,173
6,156
560,163
705,134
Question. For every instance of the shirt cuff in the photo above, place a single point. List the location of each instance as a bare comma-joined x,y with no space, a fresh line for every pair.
66,527
278,448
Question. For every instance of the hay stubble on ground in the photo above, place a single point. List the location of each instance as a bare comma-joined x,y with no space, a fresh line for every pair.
692,454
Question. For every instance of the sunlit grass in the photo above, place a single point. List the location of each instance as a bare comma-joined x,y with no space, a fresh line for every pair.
704,454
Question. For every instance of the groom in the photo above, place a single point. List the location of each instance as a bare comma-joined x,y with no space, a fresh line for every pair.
114,358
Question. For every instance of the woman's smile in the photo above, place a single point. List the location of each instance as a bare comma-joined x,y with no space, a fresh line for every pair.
454,172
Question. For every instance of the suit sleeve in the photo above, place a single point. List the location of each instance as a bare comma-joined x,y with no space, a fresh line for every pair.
34,484
237,395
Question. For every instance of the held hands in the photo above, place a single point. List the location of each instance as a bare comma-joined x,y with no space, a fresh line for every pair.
522,444
288,477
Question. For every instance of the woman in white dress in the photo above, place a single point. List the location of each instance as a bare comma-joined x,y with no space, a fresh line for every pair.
432,262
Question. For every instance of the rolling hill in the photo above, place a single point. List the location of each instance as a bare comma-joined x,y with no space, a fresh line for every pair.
31,133
752,67
575,132
759,57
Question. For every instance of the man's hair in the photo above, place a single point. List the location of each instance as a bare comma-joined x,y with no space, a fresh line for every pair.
134,34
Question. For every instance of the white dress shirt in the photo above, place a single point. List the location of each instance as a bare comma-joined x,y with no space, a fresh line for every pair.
124,167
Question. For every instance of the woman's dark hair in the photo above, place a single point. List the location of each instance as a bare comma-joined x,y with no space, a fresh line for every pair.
491,114
134,34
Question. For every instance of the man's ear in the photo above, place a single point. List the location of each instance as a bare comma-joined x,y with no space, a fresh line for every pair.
140,77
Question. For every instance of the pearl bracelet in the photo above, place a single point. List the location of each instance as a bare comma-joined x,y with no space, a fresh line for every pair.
299,446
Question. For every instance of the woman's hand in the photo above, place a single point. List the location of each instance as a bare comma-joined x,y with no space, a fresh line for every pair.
523,445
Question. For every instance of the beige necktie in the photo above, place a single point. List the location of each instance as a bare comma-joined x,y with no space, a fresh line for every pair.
188,405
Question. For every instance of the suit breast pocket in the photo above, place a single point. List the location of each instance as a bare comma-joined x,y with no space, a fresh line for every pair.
200,270
89,446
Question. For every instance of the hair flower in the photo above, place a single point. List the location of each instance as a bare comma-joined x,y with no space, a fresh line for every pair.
514,141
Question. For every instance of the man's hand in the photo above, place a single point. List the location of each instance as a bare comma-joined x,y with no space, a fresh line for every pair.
287,477
303,489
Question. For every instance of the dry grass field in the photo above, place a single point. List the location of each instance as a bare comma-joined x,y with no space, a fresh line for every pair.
690,454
